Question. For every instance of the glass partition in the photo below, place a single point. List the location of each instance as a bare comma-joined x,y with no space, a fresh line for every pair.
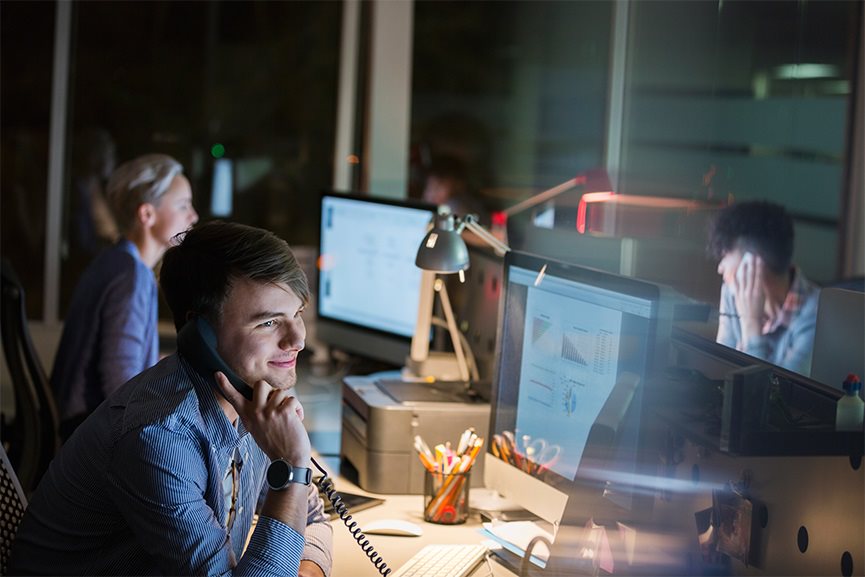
721,101
745,101
515,92
242,93
26,56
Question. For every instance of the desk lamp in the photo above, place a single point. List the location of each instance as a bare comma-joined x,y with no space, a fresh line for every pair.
443,251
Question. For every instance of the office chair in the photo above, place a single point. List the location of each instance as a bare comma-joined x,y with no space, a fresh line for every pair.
33,437
12,505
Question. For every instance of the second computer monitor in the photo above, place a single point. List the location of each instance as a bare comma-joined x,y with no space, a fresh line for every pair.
574,352
368,285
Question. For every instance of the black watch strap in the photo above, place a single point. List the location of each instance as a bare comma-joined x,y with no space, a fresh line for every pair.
280,473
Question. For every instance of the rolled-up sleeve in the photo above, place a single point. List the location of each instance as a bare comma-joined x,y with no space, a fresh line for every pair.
274,549
728,320
319,533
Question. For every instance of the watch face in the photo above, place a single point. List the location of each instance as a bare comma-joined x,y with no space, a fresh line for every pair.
278,474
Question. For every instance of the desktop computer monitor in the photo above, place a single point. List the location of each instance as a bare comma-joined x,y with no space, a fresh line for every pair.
222,188
368,284
575,347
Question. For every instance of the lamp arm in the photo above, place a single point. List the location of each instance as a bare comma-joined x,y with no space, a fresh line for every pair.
452,329
470,223
467,349
420,339
545,195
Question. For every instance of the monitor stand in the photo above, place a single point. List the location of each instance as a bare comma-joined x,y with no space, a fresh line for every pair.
424,392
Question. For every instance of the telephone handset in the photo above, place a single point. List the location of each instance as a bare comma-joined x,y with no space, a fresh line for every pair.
745,266
196,342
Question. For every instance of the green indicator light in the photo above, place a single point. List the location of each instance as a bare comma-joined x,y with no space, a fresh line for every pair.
217,150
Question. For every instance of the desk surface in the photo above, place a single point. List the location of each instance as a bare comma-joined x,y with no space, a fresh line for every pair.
351,561
322,400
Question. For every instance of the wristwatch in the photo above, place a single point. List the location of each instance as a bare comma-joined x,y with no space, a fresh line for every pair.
280,473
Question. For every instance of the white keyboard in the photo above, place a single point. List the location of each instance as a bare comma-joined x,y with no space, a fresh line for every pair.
443,561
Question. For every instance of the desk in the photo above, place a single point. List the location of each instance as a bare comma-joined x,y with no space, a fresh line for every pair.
817,496
350,561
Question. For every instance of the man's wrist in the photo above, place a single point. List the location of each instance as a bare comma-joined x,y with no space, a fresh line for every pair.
282,473
298,458
750,326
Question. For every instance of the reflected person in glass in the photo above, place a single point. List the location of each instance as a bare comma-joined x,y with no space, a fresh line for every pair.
768,307
110,332
447,184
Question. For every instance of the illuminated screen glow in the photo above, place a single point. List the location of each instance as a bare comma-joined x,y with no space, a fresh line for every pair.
574,354
367,275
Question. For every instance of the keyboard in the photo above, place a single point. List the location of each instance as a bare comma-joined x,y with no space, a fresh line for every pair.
443,561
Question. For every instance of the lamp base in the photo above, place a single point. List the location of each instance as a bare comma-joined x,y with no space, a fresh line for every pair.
439,366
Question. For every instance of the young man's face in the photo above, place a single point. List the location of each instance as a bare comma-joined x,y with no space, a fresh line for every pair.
174,212
262,332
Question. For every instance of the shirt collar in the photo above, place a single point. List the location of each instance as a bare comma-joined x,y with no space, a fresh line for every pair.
129,246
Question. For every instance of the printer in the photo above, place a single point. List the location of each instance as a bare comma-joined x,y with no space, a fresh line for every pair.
380,418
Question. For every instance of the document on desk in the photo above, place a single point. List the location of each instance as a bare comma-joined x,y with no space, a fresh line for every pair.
516,535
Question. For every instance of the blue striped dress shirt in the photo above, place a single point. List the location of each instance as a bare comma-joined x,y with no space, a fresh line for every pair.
790,342
138,490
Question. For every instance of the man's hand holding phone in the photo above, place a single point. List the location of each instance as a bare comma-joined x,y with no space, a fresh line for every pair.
750,294
274,418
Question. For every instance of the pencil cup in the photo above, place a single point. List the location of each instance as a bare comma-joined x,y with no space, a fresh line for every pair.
446,497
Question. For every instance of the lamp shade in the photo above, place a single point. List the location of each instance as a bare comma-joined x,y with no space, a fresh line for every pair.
443,250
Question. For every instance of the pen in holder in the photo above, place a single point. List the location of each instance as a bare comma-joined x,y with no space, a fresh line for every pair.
446,477
446,497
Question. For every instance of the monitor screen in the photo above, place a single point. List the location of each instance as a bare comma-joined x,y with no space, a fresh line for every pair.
368,285
222,191
574,350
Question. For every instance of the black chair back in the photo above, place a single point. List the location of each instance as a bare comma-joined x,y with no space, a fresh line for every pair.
33,436
12,505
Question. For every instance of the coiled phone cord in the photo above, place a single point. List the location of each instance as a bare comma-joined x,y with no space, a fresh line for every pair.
326,486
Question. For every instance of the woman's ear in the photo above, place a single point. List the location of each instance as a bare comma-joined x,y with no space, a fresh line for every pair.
146,215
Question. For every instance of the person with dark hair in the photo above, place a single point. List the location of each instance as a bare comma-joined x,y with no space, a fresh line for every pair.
164,477
110,331
768,307
447,184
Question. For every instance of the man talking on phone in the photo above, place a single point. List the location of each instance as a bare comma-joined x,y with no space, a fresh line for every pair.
768,307
165,475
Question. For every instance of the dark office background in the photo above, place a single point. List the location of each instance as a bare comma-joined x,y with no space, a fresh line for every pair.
517,90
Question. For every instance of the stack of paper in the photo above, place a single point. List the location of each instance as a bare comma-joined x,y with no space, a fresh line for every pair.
515,536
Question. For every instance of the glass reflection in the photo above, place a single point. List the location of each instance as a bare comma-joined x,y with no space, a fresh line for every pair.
723,102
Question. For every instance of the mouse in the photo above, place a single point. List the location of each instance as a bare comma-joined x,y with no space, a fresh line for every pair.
396,527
